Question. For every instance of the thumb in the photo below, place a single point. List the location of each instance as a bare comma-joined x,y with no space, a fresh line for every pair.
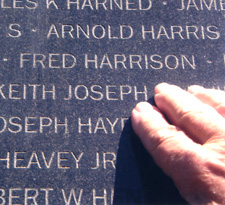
170,147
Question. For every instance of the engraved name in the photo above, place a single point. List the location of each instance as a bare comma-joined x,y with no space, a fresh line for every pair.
57,160
105,61
46,124
81,92
202,5
44,196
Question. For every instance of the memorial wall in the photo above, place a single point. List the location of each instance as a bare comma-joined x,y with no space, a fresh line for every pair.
71,71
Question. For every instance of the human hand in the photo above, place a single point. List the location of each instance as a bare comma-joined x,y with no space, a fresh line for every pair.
191,150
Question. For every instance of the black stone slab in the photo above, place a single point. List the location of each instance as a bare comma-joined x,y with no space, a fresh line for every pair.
48,77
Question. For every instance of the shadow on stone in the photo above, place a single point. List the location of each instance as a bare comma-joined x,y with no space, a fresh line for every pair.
138,179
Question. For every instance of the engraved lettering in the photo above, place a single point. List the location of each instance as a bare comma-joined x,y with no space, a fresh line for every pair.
72,194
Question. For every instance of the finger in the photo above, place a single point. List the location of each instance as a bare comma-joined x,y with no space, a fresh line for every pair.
168,145
199,120
212,97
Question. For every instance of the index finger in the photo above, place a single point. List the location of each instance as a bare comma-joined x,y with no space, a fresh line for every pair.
199,120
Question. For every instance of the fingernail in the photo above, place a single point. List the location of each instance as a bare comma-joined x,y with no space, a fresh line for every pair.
195,89
138,114
161,87
142,107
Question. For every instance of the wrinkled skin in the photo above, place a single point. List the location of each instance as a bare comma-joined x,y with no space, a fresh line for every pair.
190,148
